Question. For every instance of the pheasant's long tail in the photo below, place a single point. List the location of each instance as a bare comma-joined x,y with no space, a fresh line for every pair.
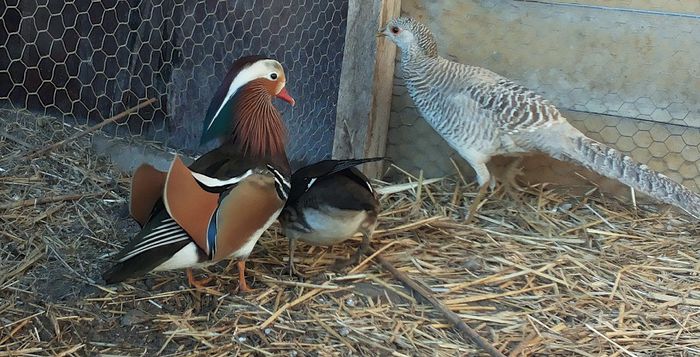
614,164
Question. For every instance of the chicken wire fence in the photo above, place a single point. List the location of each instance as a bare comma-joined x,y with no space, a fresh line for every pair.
84,61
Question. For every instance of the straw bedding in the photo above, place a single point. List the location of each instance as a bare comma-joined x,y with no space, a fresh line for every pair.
552,275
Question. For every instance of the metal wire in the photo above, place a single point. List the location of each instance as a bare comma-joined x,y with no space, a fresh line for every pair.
84,61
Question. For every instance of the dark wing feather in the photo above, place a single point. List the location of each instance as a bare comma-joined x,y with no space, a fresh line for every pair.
339,191
222,163
156,243
327,168
356,175
218,125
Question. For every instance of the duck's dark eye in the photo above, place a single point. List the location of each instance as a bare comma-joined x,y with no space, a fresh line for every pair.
395,30
273,76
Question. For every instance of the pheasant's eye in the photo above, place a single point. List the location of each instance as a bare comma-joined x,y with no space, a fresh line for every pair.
395,30
273,76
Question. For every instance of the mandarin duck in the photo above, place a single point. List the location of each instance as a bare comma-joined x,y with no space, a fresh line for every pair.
329,202
481,114
221,204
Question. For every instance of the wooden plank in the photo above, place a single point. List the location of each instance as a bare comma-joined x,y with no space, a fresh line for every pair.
382,92
366,82
656,6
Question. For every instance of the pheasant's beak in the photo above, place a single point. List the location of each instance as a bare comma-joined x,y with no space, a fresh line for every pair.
284,95
380,33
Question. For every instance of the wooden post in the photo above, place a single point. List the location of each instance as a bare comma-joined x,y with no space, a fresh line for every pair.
366,83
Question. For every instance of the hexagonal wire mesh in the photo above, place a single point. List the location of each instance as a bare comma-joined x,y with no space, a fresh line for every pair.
84,61
630,77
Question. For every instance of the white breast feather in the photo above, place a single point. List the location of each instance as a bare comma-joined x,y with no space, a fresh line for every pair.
330,225
186,257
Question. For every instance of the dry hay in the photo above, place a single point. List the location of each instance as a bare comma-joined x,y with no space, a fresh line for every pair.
553,275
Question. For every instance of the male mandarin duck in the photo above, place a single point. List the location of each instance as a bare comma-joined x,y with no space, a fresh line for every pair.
219,206
329,202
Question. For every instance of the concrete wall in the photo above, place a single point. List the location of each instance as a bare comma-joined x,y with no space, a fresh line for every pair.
626,72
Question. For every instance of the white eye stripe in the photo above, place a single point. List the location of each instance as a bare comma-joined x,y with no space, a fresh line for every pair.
254,71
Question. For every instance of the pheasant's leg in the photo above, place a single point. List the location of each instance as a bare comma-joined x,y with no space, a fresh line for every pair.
292,269
341,264
197,284
483,177
475,204
492,184
513,170
510,183
242,285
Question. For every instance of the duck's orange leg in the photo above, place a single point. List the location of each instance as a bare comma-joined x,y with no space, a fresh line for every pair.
197,284
242,284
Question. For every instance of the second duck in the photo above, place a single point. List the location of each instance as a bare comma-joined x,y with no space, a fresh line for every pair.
329,202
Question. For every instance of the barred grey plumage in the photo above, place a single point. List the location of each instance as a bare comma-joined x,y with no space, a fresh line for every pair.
482,114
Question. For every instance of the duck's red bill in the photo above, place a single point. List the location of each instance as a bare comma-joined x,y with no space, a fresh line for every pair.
284,95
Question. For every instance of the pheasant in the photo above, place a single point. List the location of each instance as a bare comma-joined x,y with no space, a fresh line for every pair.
219,206
482,114
328,203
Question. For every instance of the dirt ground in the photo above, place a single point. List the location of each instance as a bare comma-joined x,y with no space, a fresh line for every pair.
552,275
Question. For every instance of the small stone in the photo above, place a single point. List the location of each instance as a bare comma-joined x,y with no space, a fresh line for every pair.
242,339
351,301
344,331
293,353
42,122
133,317
472,263
267,331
